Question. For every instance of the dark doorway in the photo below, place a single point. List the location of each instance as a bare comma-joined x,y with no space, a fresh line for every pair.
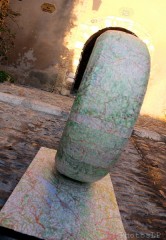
86,52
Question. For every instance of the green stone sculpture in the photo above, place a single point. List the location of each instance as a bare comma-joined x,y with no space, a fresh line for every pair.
106,107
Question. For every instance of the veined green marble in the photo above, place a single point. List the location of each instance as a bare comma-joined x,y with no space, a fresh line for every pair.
106,107
49,206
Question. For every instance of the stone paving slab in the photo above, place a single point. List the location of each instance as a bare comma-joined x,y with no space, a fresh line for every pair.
47,205
146,133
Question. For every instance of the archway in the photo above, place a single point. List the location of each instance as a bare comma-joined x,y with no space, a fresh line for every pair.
86,52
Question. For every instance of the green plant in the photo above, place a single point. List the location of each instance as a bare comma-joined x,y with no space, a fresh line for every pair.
4,76
7,36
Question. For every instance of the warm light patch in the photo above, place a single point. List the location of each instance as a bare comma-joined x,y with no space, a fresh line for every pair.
94,29
145,24
79,44
76,62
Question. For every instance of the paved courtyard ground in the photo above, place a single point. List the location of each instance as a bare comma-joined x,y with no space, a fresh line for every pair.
139,177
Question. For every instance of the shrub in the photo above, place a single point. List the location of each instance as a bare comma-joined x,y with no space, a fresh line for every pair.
4,76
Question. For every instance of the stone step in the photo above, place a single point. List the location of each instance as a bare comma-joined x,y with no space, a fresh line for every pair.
33,105
47,108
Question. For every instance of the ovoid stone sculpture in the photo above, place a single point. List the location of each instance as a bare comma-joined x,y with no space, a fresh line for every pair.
106,107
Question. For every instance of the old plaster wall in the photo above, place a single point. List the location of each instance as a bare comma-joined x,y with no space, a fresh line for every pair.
39,41
49,45
145,19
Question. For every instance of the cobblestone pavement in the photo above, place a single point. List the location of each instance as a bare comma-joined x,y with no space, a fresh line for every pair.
139,177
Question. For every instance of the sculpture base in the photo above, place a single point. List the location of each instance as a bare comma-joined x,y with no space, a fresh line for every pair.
50,206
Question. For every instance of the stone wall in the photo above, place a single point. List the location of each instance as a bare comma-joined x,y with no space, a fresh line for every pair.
145,19
39,41
49,45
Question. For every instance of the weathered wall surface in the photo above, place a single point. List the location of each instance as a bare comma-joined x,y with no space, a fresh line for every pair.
145,19
49,45
39,41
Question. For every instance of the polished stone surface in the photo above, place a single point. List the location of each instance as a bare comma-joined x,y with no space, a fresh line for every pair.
49,206
106,107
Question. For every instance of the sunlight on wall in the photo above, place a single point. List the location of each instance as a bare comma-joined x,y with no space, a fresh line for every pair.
145,19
